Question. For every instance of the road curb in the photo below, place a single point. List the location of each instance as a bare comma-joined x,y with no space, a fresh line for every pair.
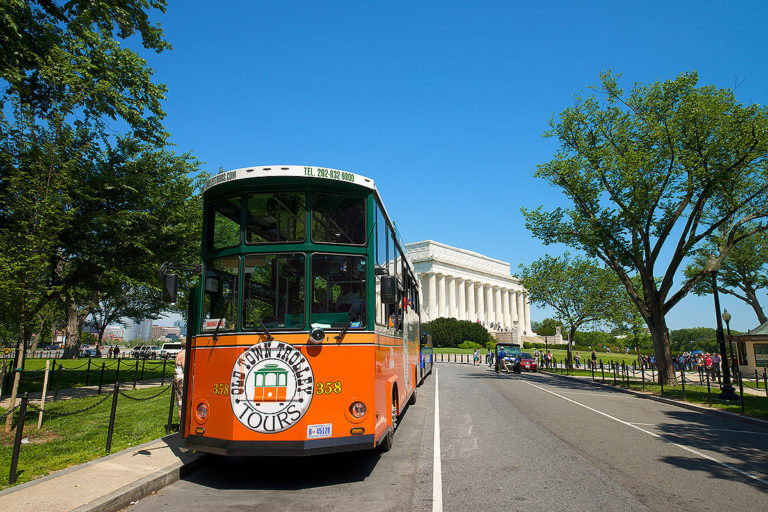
128,494
669,401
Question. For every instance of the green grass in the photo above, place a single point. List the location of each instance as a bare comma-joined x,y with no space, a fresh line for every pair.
63,442
558,354
753,405
75,373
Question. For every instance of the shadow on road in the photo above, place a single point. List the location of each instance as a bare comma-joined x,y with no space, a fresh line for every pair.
284,473
744,446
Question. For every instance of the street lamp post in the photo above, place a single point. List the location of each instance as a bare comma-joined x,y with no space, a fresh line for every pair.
727,390
727,318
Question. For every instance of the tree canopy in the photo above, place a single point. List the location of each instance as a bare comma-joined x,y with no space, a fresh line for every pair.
651,175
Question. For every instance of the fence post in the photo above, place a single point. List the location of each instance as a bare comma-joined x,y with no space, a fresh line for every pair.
741,392
17,440
135,373
42,398
642,375
661,380
709,392
112,416
614,372
602,370
58,378
682,373
143,363
117,375
162,382
757,380
765,381
170,409
593,371
2,378
88,371
101,377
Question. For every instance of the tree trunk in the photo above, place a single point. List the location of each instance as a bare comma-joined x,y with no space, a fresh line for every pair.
660,335
74,324
755,303
18,362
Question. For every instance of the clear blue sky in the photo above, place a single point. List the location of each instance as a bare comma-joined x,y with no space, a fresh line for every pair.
442,103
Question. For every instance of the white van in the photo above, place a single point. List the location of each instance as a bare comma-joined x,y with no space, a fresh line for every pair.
170,350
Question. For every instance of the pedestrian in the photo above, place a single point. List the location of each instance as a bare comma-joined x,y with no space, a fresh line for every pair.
578,359
110,352
716,359
178,379
116,352
475,356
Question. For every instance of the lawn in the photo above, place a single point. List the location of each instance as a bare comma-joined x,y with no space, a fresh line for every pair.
558,354
77,373
70,440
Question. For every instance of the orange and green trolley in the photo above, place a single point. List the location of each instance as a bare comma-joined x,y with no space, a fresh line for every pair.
304,329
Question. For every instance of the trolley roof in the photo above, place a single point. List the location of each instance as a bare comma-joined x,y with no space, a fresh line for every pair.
292,171
307,172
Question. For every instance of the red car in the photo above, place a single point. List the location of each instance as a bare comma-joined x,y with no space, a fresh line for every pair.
528,362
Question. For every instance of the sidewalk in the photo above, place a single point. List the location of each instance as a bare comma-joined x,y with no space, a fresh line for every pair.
107,484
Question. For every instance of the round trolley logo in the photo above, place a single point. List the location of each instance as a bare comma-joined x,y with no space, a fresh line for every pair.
271,387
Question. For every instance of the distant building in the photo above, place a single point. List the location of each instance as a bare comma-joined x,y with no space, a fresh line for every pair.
182,325
132,330
146,330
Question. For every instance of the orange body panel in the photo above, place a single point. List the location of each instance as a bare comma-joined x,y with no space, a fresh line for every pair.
360,368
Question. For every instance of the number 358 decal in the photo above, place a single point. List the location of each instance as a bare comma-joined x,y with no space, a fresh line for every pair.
328,388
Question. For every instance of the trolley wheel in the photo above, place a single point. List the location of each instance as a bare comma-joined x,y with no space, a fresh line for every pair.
412,400
389,439
497,367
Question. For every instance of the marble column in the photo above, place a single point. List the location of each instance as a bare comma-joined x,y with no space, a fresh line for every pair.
513,306
527,314
441,309
489,305
451,297
432,296
481,303
521,313
462,306
471,302
497,308
505,308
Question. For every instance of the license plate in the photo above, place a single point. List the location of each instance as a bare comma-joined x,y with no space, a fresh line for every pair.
319,431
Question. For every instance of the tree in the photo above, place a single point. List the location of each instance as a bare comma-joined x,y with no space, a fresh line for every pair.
449,332
547,327
65,59
579,290
743,274
651,176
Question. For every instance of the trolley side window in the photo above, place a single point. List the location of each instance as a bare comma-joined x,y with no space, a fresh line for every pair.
273,291
278,217
220,294
338,291
224,224
338,219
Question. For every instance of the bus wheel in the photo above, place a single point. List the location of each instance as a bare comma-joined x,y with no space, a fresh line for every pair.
412,400
389,439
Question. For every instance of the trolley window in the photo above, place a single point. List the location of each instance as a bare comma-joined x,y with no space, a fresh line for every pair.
279,217
273,291
220,294
224,224
338,219
338,291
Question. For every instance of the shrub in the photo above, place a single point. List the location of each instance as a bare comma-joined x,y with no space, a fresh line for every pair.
469,345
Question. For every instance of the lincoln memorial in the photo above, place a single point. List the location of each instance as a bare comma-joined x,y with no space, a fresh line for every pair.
465,285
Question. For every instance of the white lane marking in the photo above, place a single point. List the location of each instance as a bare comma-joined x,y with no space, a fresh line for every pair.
652,434
696,427
437,470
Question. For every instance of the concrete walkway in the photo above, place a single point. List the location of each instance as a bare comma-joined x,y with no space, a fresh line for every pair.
107,484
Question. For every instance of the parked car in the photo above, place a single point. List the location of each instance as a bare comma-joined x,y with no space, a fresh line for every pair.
151,352
170,350
510,362
137,350
528,362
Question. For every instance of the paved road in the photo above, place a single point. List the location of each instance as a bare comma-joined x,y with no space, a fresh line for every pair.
530,442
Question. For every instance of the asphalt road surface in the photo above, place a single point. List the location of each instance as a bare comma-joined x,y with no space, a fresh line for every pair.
507,442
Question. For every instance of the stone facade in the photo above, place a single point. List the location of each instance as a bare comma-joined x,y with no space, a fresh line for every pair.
465,285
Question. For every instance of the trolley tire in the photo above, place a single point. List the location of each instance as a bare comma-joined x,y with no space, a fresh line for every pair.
389,439
412,399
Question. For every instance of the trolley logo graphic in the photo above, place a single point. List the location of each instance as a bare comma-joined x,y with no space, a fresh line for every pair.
271,387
